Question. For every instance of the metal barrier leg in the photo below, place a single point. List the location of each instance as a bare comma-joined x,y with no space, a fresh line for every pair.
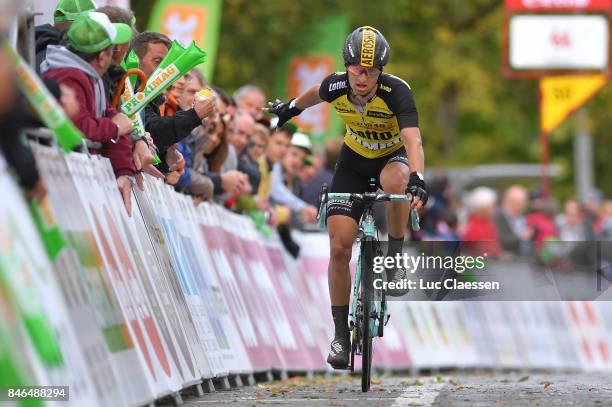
249,379
208,386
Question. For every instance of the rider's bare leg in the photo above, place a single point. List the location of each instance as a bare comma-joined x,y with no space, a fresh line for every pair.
394,178
342,233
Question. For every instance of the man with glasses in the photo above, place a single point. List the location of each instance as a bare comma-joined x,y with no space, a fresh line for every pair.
382,138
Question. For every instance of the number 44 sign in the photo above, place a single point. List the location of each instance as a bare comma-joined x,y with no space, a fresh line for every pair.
560,96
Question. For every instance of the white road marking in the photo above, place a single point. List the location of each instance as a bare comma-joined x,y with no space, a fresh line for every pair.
418,396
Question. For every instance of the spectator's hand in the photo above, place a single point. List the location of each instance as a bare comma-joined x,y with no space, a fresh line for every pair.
309,214
272,220
143,159
125,188
233,181
205,107
245,187
173,177
151,143
124,123
139,181
527,233
174,158
262,204
68,100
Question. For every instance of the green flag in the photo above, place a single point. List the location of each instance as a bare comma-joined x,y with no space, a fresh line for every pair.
299,70
190,20
48,109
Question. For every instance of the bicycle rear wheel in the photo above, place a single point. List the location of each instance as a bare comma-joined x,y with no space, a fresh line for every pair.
367,296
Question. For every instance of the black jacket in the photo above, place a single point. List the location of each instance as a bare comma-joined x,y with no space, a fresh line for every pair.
165,130
18,155
251,168
111,79
45,35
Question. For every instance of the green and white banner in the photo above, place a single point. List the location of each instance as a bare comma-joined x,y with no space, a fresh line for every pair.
306,65
190,20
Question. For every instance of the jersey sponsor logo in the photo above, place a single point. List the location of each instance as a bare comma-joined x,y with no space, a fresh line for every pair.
385,88
345,110
374,146
368,44
373,135
379,115
337,85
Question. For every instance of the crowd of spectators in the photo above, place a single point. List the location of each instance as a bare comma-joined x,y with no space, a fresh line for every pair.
521,223
223,148
216,146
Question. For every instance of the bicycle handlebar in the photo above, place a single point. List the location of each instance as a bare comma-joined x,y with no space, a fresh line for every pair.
368,196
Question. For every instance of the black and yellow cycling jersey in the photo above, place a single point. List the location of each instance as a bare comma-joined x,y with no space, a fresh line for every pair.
375,132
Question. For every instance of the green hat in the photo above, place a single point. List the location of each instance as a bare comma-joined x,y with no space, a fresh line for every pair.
92,32
69,10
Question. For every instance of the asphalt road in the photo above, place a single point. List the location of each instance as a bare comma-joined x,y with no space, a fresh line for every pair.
451,389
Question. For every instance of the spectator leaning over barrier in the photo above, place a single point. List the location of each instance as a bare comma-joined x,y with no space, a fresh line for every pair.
143,148
310,190
210,154
114,74
298,157
239,135
278,144
65,13
151,48
512,229
192,182
12,108
283,195
251,99
80,66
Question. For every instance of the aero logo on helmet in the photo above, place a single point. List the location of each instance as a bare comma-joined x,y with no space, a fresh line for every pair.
368,44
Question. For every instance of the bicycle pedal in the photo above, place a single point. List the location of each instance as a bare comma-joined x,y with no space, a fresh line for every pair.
347,367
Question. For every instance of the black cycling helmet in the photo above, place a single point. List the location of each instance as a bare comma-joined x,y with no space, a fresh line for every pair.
366,46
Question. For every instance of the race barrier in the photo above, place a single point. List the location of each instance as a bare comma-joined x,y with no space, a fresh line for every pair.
125,310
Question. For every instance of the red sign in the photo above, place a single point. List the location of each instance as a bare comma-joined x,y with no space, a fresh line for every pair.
527,5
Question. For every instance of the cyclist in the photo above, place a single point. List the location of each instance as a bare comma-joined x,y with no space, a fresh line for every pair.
382,138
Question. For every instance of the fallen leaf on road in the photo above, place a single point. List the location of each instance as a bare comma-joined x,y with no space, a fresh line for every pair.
523,379
454,383
439,379
417,382
546,385
327,389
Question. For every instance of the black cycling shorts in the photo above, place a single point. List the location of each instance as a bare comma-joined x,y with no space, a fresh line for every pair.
352,175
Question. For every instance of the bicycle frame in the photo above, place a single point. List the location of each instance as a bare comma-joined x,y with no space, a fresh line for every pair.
367,232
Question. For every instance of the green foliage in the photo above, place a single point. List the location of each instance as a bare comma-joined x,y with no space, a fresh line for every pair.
449,51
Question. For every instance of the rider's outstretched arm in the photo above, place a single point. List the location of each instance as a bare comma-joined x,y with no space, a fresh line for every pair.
286,110
309,98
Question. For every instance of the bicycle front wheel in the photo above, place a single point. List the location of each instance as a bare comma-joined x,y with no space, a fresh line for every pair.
367,296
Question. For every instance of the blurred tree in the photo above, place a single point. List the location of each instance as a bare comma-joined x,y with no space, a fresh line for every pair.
448,51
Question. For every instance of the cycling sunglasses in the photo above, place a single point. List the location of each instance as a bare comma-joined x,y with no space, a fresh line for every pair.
358,70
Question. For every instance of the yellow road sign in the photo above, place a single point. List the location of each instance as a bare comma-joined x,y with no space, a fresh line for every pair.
560,96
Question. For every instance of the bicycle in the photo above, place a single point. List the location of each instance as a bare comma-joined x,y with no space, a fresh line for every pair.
368,300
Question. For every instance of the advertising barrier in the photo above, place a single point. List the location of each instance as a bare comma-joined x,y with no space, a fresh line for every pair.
129,309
